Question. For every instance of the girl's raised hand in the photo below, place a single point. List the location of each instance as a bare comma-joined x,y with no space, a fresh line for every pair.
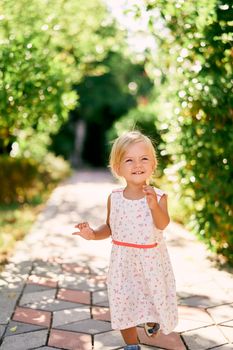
85,231
151,196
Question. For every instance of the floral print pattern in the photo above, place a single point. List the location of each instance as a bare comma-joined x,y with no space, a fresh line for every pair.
141,284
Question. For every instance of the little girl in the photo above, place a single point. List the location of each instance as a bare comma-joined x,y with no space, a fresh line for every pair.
141,285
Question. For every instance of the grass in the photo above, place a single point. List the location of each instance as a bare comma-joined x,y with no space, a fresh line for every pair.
15,222
17,218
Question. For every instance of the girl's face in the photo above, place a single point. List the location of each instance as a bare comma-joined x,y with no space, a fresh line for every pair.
137,164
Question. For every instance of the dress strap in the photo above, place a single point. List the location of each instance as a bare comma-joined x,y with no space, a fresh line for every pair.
117,190
133,245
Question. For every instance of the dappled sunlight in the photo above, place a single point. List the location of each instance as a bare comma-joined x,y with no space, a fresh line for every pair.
31,316
66,284
107,340
69,340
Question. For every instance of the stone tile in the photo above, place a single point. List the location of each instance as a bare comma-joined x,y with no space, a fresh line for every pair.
98,270
214,294
89,326
2,330
47,348
191,318
16,285
53,305
46,269
108,341
171,341
71,315
25,341
31,288
204,338
91,283
101,313
202,301
69,280
103,303
224,347
228,324
21,268
41,318
144,347
100,296
76,296
183,295
100,279
20,327
13,277
69,340
42,296
228,332
48,282
221,313
7,304
224,280
74,268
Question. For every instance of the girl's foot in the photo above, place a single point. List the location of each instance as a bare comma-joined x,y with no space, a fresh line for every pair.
151,329
132,347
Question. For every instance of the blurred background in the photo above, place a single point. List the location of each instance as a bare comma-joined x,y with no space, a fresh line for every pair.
76,74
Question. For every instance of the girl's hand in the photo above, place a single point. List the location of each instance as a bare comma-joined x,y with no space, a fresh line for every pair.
85,231
151,196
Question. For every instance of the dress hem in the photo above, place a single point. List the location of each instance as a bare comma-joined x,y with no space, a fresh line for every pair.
136,324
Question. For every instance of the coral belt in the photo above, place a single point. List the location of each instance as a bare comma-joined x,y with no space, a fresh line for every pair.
125,244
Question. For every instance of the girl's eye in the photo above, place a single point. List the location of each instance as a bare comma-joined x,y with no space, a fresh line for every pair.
128,160
144,158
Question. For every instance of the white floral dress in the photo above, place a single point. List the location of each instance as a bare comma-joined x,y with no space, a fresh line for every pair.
141,284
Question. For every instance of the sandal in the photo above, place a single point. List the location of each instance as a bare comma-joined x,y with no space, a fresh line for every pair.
151,330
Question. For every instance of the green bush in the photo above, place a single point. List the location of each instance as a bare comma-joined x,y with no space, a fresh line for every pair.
195,56
23,180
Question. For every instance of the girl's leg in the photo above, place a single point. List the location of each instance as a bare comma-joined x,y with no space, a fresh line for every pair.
130,335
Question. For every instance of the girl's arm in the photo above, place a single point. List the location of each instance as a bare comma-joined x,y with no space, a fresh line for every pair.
101,232
159,209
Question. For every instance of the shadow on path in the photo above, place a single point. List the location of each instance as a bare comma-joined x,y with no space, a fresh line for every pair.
54,294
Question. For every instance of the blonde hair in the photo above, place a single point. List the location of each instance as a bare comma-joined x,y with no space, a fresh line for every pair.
121,144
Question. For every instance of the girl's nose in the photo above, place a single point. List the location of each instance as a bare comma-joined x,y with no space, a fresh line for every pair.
137,163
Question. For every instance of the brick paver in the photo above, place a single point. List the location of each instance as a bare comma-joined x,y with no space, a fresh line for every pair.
69,340
204,338
27,315
53,293
25,340
78,296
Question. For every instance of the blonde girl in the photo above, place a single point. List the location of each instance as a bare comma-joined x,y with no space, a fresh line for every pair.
141,285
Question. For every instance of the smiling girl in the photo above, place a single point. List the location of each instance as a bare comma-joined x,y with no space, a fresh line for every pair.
141,284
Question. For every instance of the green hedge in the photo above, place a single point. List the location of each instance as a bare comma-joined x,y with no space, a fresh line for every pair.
23,179
195,56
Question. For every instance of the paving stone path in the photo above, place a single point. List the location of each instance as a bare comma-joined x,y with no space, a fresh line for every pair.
53,291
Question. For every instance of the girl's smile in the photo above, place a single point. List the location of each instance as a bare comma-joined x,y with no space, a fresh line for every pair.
137,164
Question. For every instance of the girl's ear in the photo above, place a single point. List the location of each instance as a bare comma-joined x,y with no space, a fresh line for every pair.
155,165
117,169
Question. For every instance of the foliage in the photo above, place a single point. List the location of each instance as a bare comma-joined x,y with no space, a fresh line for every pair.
24,179
195,72
26,186
15,222
103,99
44,51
